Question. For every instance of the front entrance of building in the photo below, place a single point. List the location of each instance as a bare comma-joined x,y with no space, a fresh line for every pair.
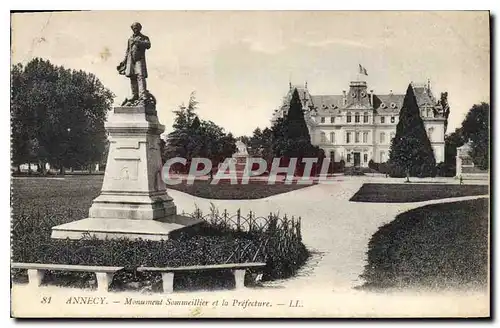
357,159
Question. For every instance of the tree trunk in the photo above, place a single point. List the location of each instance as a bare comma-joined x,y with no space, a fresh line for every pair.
61,170
18,168
42,167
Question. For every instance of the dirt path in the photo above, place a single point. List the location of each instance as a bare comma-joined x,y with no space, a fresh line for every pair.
336,230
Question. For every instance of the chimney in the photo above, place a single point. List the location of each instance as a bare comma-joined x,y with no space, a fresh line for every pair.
371,97
344,99
306,85
429,85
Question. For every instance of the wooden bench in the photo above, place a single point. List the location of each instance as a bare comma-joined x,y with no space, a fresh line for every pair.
238,270
36,271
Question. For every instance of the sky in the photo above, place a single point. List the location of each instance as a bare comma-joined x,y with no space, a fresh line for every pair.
240,63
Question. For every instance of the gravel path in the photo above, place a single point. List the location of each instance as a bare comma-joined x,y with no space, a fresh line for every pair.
335,230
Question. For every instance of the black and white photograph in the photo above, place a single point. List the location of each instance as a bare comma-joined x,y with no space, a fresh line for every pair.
250,164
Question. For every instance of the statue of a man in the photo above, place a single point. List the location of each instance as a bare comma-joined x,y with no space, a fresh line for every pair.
134,64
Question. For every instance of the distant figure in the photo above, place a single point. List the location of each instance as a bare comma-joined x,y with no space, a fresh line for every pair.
134,66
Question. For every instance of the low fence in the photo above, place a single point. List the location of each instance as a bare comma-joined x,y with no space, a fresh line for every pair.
279,239
230,238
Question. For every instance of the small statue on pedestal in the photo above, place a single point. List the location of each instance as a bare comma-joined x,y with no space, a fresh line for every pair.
134,67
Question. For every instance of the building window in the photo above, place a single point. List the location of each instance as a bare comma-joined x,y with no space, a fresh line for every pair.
365,118
356,137
322,120
365,137
348,137
323,137
332,119
382,137
382,119
356,118
365,158
393,119
423,112
348,117
348,158
382,157
332,137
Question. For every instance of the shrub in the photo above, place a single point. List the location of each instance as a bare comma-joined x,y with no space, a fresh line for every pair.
395,171
342,165
354,170
372,165
214,244
445,170
426,170
383,168
279,239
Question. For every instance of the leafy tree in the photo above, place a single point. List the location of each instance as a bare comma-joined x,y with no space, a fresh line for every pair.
411,150
178,141
255,143
443,101
58,115
193,137
475,128
451,143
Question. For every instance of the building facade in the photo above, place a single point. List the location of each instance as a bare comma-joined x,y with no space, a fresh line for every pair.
358,125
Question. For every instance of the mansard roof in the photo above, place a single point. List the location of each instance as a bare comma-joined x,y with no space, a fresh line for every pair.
390,103
327,103
333,104
382,103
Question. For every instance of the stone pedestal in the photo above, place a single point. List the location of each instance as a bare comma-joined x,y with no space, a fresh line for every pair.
133,202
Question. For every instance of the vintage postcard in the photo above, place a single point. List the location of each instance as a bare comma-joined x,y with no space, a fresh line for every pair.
250,164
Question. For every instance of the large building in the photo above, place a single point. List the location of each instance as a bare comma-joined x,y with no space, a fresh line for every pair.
358,125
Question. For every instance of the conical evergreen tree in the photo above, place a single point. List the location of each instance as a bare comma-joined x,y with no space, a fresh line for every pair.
411,153
295,123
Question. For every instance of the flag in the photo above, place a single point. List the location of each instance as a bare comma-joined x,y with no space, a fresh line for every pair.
362,70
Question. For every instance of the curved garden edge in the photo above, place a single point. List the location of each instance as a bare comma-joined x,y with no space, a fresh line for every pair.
441,245
414,192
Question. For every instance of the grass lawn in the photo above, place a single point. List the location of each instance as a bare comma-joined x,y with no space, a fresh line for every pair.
409,192
38,204
253,190
435,246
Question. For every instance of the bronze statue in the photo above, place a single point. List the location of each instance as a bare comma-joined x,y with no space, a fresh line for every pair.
134,67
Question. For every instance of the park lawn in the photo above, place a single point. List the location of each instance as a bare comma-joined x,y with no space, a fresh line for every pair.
253,190
38,204
414,192
435,246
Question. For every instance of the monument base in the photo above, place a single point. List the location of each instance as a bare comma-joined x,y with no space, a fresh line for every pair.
129,229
